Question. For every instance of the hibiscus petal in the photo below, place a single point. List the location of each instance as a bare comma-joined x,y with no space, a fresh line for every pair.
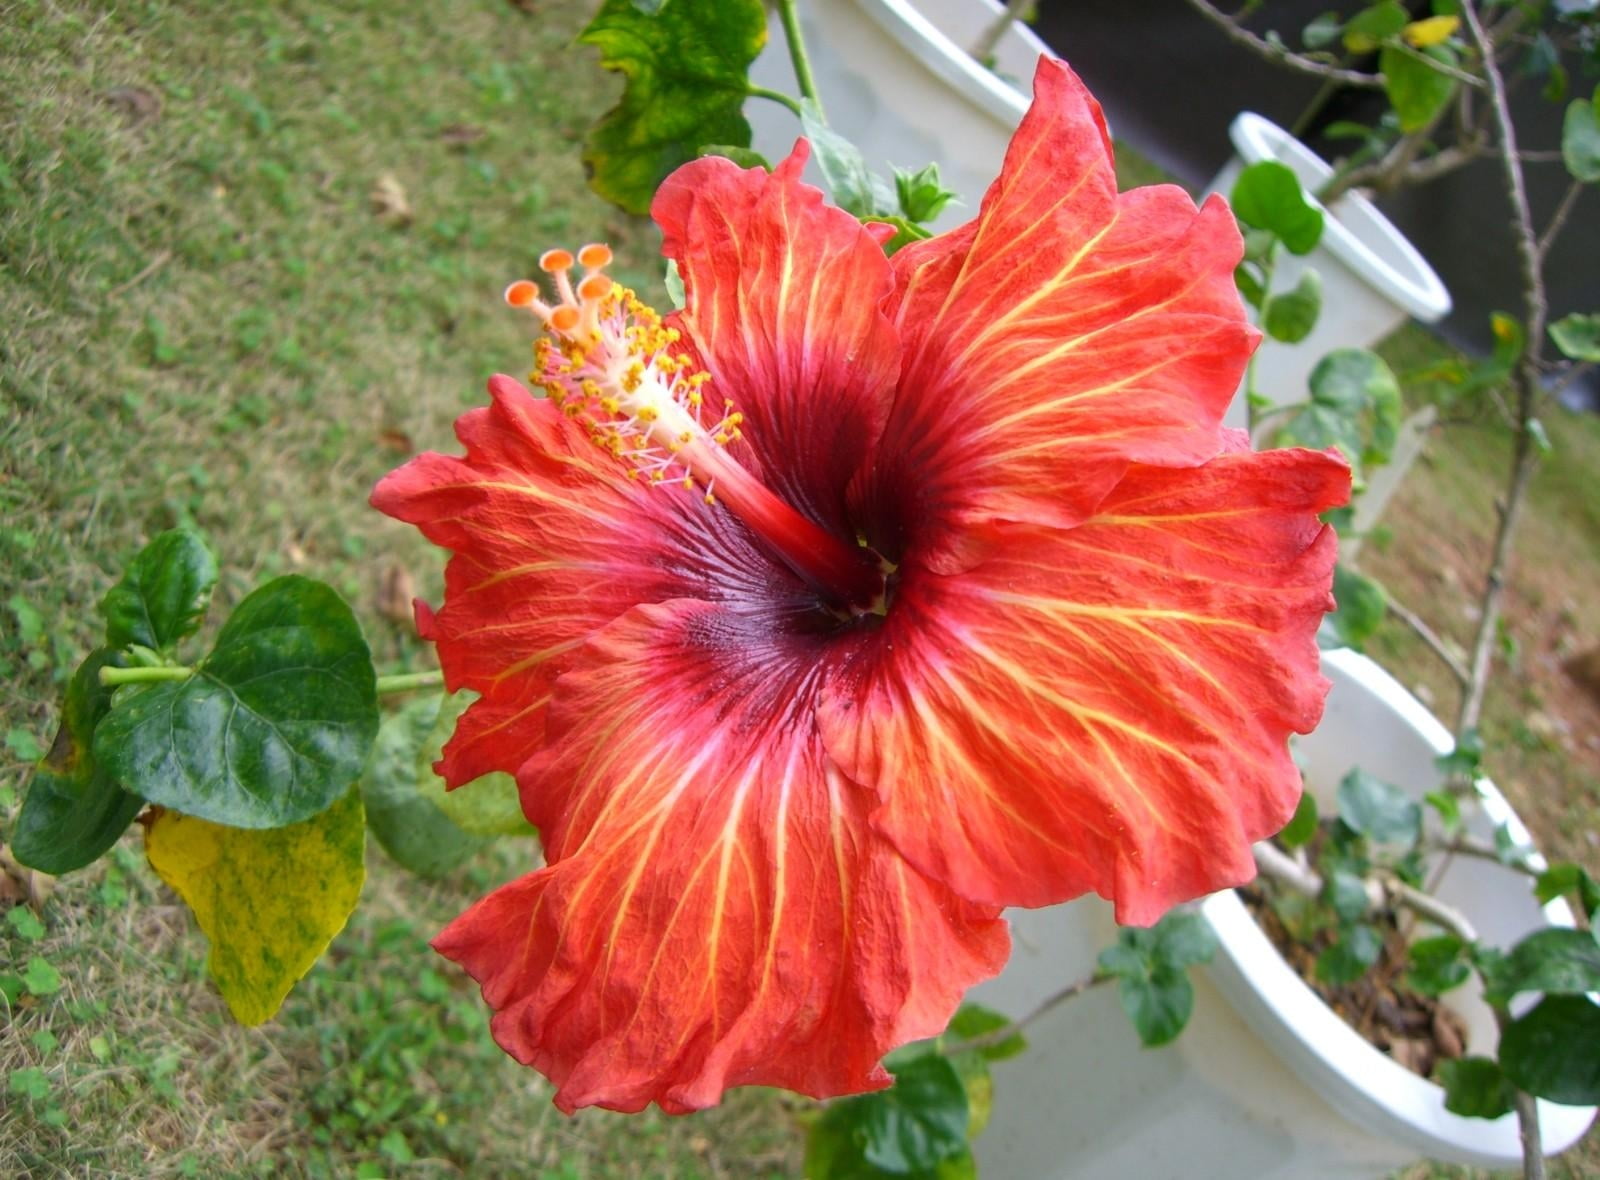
717,910
1064,333
784,299
1104,708
551,543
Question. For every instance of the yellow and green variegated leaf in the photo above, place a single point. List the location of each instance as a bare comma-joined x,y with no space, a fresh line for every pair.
687,64
269,900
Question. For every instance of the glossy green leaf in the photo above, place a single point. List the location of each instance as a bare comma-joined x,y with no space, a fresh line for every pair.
687,68
1348,959
1355,406
1292,314
1437,965
855,187
1302,825
1577,336
1466,759
270,901
1447,807
1555,961
1268,196
411,828
1567,877
974,1020
1475,1087
908,1129
1377,810
274,725
1416,90
1580,140
1183,938
163,594
1151,969
1554,1051
74,810
1323,31
1158,1004
487,806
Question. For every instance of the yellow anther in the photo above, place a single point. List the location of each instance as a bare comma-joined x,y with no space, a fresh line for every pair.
610,405
721,438
647,414
695,399
685,437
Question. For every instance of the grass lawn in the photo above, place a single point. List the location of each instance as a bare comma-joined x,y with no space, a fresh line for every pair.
250,257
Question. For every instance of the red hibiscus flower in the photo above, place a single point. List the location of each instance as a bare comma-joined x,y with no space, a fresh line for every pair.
857,600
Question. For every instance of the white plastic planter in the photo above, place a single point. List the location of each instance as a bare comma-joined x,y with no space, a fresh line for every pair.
1266,1082
1373,279
896,80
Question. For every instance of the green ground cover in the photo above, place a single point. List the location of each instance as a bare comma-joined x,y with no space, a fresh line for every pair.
249,260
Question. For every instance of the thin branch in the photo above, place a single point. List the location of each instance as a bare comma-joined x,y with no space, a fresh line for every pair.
1049,1003
1525,453
1428,636
1281,54
1527,1108
1568,377
1382,893
983,51
1558,219
1440,67
1466,846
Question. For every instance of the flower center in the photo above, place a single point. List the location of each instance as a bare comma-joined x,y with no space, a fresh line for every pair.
607,362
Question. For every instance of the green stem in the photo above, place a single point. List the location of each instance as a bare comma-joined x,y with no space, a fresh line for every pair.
406,681
111,677
775,96
789,13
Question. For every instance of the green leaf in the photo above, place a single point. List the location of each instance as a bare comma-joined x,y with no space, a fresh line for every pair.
1465,760
1567,877
1346,894
1554,1051
1302,826
1181,939
1349,958
1577,336
411,827
974,1020
1290,316
1268,196
687,68
1580,139
1416,90
487,806
1323,31
1475,1087
1250,288
274,725
40,977
1355,406
1378,811
1555,961
74,810
1448,808
29,1083
673,280
163,594
921,194
742,156
269,901
909,1128
905,232
23,745
852,182
1374,24
1362,606
1437,965
26,923
1159,1004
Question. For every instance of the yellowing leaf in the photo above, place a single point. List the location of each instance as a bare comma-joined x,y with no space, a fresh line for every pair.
1422,33
270,900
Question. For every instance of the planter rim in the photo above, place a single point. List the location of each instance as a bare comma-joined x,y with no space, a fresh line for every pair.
1408,280
1358,1080
929,45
